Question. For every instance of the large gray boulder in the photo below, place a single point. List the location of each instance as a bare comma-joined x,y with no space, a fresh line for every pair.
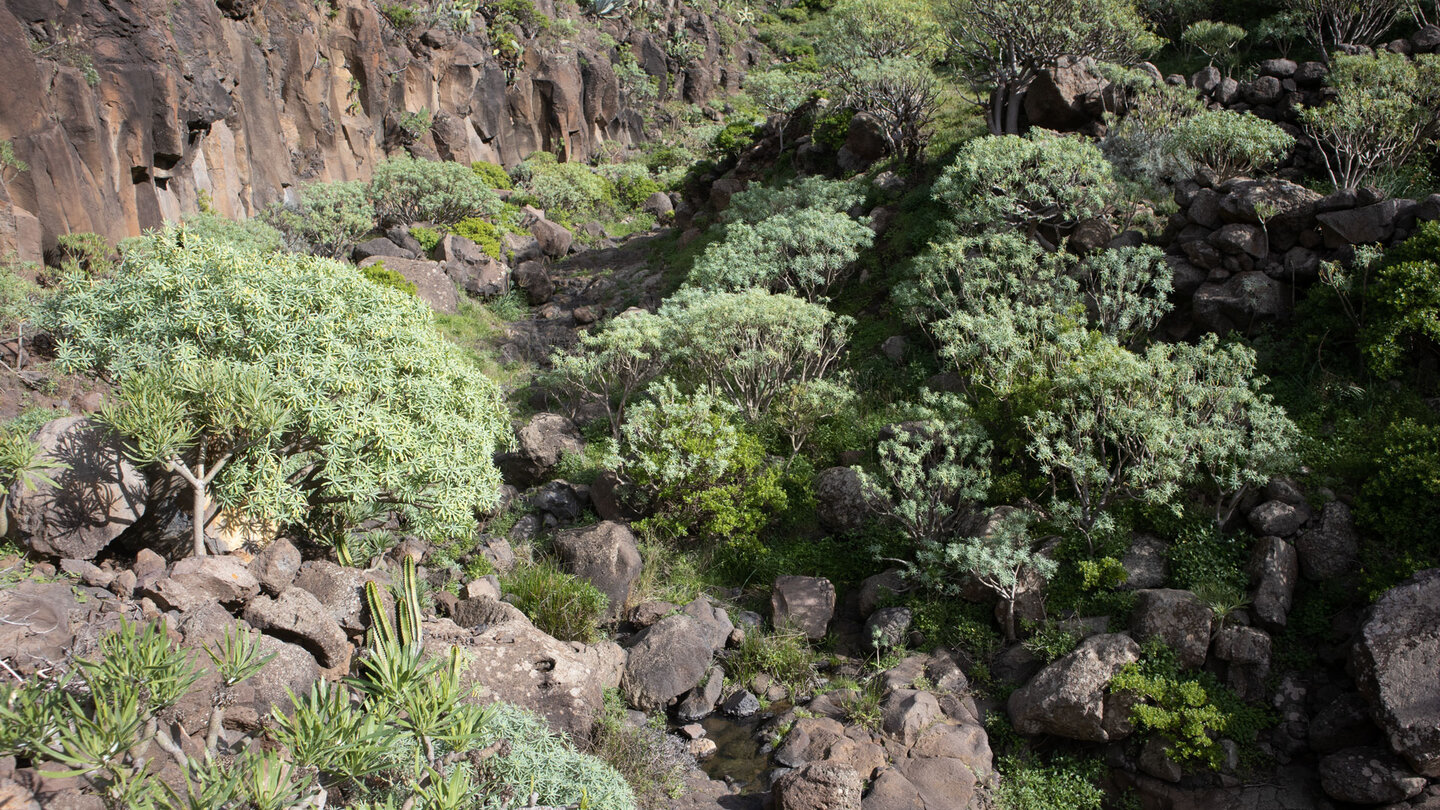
96,496
1395,662
819,786
1329,545
431,284
539,446
712,620
1274,570
1177,618
807,603
340,589
1368,776
607,556
666,660
224,579
513,661
298,617
1067,698
840,500
554,238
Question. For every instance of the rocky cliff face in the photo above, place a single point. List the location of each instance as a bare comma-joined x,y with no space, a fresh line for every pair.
131,112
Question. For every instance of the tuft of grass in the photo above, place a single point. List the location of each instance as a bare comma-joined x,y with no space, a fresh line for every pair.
563,605
783,654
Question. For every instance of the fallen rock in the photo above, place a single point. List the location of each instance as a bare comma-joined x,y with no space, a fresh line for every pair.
1368,776
700,701
540,445
1274,570
276,566
878,588
1328,548
713,621
807,603
741,704
1277,518
225,579
1147,563
607,556
908,713
37,625
1395,660
666,660
1177,618
340,589
97,493
534,279
840,502
1240,302
554,238
818,786
297,616
1067,698
887,628
431,284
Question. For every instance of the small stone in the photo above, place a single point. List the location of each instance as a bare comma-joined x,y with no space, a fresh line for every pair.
693,731
741,704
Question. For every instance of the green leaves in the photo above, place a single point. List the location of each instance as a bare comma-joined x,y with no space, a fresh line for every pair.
1229,143
330,390
806,251
327,220
237,655
406,189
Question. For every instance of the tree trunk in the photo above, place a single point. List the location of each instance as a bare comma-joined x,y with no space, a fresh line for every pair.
199,508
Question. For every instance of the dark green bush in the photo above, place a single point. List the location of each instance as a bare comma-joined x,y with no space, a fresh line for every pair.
427,237
565,606
1403,302
1059,782
90,253
735,138
832,129
783,653
482,233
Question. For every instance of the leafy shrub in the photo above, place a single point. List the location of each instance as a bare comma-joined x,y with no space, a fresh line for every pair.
415,124
615,362
378,273
482,233
250,234
693,470
1049,641
405,190
734,138
806,251
359,367
493,175
1401,502
426,236
1060,782
632,182
88,253
753,346
1042,178
1230,143
1191,709
1383,116
1217,40
568,190
327,220
1402,309
563,605
831,129
1140,142
541,762
400,15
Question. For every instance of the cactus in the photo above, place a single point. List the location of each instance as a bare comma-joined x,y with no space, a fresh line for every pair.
407,609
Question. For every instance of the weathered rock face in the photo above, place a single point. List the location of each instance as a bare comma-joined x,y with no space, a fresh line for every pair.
1067,698
540,445
1368,776
807,603
99,494
513,661
840,500
606,555
667,659
1395,661
173,100
1176,617
819,786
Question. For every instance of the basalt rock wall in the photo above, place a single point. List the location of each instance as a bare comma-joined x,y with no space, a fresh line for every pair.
133,112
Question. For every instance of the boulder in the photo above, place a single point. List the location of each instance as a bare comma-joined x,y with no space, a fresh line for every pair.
558,500
658,205
700,701
297,616
513,661
1395,660
876,589
1345,723
907,714
1281,206
1147,563
38,625
666,660
1067,698
534,279
1274,570
1277,518
539,446
712,620
818,786
807,603
554,239
887,628
97,494
292,669
1067,96
1279,68
607,556
1236,239
741,704
276,566
225,579
945,770
1263,91
1177,618
1240,302
1329,546
1368,776
431,284
840,502
865,139
1366,224
340,589
381,247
